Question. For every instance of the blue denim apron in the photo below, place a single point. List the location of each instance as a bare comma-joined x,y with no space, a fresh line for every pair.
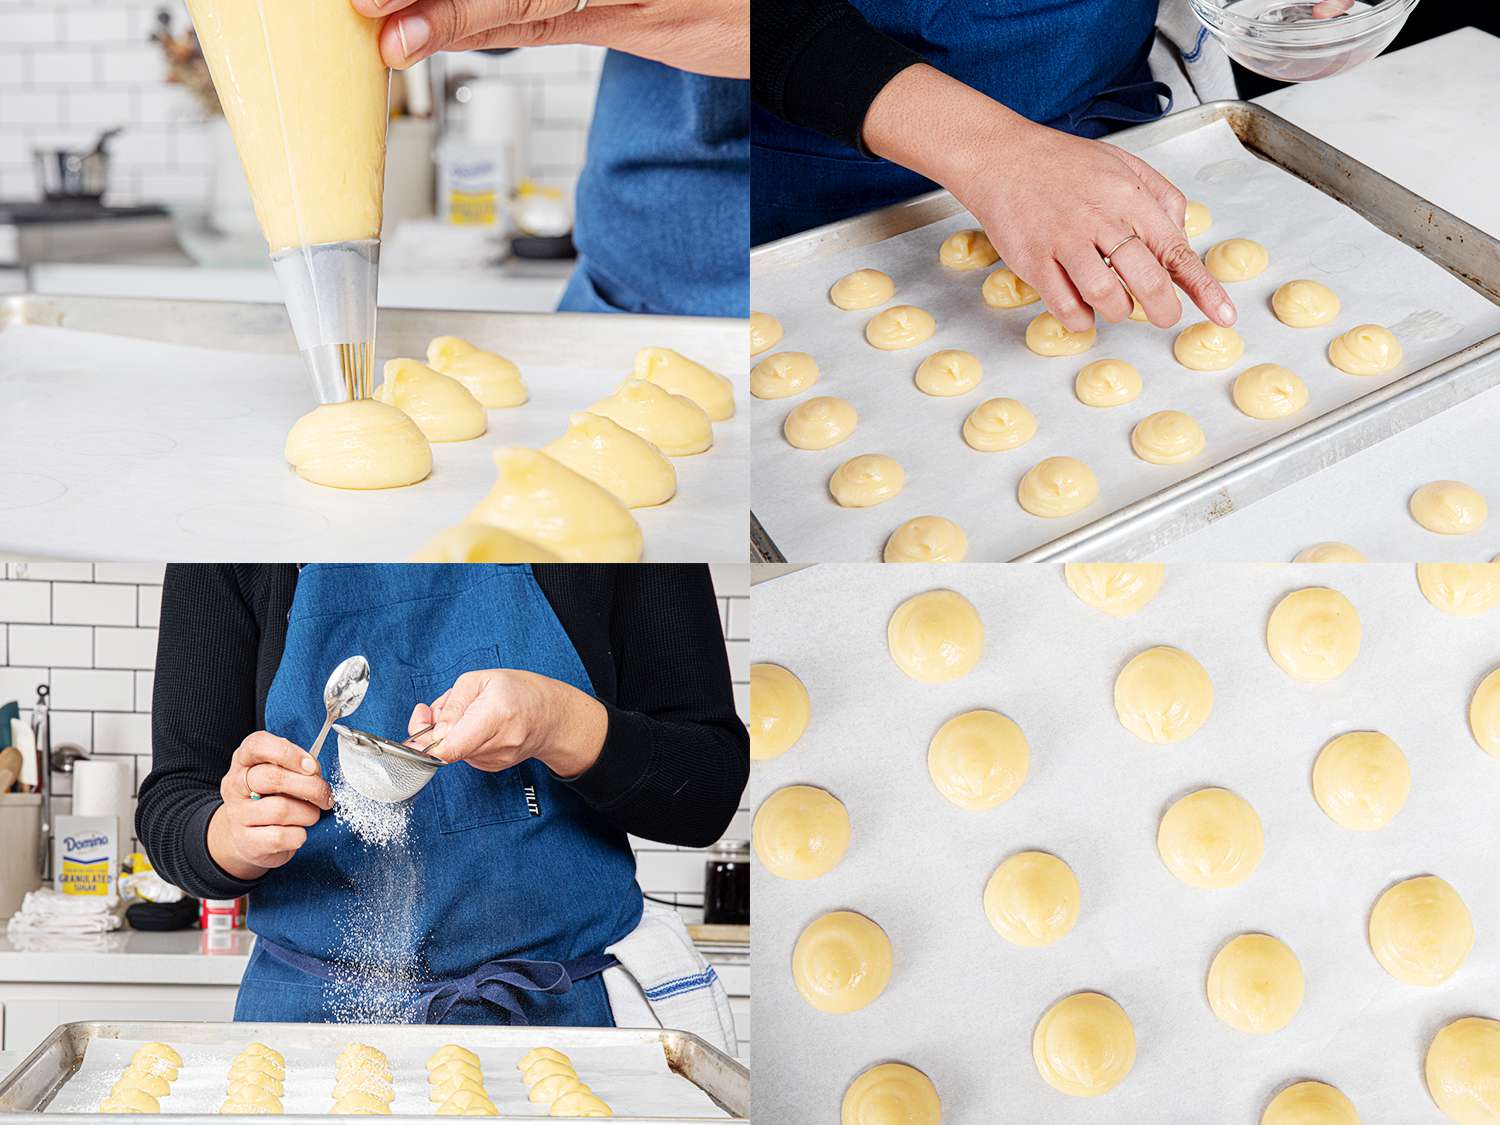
1076,65
663,201
518,885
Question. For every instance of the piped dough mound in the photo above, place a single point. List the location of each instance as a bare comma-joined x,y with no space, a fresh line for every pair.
891,1094
841,962
1255,984
359,445
862,289
1197,219
1304,304
779,710
935,637
1206,346
1118,589
130,1100
674,424
480,543
1107,382
536,1053
449,1052
1267,391
978,760
1163,695
1310,1103
867,480
1314,634
947,373
675,372
442,408
1330,552
1366,349
819,423
579,1103
900,326
1462,589
626,464
1168,437
1484,714
554,1086
998,424
1032,899
133,1078
783,375
1057,487
968,250
1046,336
1084,1045
545,502
1004,290
1449,507
765,332
492,379
1421,931
927,539
1361,780
800,832
1211,839
1236,259
1463,1070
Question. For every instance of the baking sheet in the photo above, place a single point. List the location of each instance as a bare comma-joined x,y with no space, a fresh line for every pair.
134,449
1307,233
962,1003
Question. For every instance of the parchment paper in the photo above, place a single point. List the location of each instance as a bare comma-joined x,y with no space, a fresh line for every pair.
962,1003
1308,235
125,449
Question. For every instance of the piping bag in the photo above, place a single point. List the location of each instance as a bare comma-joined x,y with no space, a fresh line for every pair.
307,97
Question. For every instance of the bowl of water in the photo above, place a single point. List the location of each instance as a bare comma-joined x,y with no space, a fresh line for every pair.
1300,40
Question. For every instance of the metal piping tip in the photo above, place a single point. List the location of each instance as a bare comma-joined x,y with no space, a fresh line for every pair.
331,290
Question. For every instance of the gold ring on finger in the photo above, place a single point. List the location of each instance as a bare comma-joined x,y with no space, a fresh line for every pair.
1107,257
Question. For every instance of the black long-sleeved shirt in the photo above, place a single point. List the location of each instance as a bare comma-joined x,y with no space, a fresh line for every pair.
675,760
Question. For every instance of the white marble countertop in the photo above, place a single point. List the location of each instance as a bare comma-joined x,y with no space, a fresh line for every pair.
128,957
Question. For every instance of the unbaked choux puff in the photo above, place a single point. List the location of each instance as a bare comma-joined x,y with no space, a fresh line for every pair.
1211,839
1330,551
949,372
1484,714
935,637
494,380
360,1103
265,1105
842,962
545,502
1255,984
466,1103
867,480
546,1068
891,1094
1314,634
900,326
266,1080
142,1079
454,1067
1421,931
246,1064
260,1050
1236,259
361,1054
579,1103
783,375
554,1086
1462,1069
1197,219
1361,780
819,423
1462,589
765,332
1046,336
363,444
376,1085
800,832
1032,899
1268,391
440,1089
1004,290
926,539
968,250
618,460
1056,487
480,543
1137,310
1107,382
1163,695
1449,507
1310,1103
779,713
1168,437
862,289
1118,589
978,760
160,1052
553,1053
1304,304
1366,349
1084,1045
130,1100
998,424
675,372
1206,346
674,424
442,407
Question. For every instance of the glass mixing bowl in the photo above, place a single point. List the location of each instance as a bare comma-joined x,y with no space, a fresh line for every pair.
1282,40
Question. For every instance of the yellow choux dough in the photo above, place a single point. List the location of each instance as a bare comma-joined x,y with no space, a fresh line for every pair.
360,1103
1449,507
163,1051
947,373
1463,1070
578,1103
142,1080
819,423
800,832
260,1078
1313,634
891,1094
451,1067
783,375
482,1108
765,332
547,503
492,379
130,1100
1118,589
1255,984
1138,313
262,1051
900,326
1421,931
1032,899
1168,437
230,1107
674,424
1268,391
1236,259
1462,589
967,250
867,480
1211,838
1206,346
862,289
1084,1045
1484,714
1330,552
546,1068
440,1090
442,408
978,760
360,444
255,1064
554,1086
935,637
1361,780
1107,382
449,1052
553,1053
1304,304
927,539
1163,695
1197,219
779,711
626,464
841,962
674,372
1046,336
1004,290
1310,1103
1057,487
376,1085
261,1101
1366,349
355,1052
480,543
998,424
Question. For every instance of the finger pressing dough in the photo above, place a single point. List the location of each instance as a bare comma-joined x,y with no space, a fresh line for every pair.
867,480
978,759
1484,713
546,1068
1268,391
545,502
480,543
674,424
1313,634
779,711
553,1053
1463,1070
1168,437
1361,780
935,637
359,444
862,289
1197,220
1119,589
891,1094
947,373
1045,335
927,539
998,424
1057,487
900,326
1449,507
1004,290
968,250
841,962
819,423
1255,984
1032,899
442,408
674,372
1206,346
765,332
492,379
1304,304
1163,695
1107,382
1462,589
626,464
1236,259
1084,1045
1367,349
1330,552
579,1103
1211,839
554,1086
800,832
1310,1103
1420,930
783,375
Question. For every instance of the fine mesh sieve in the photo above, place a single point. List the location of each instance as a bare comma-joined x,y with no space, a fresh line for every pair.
380,769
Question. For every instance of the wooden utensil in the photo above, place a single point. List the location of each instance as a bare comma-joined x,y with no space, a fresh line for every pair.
10,768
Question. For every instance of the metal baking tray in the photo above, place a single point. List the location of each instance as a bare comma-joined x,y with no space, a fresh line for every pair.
33,1084
1137,529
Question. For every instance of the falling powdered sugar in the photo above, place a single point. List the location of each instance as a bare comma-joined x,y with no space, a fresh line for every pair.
376,823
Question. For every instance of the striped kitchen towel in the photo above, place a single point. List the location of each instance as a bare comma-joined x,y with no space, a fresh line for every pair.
663,981
1189,59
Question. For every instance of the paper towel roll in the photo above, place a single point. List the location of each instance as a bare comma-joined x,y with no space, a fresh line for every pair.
105,787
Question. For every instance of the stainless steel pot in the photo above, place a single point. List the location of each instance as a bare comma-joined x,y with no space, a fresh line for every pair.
74,173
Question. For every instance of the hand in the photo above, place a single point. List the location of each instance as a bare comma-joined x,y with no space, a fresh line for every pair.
498,718
1052,204
701,36
248,837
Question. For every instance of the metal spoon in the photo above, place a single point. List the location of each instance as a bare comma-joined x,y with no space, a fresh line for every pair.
342,694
